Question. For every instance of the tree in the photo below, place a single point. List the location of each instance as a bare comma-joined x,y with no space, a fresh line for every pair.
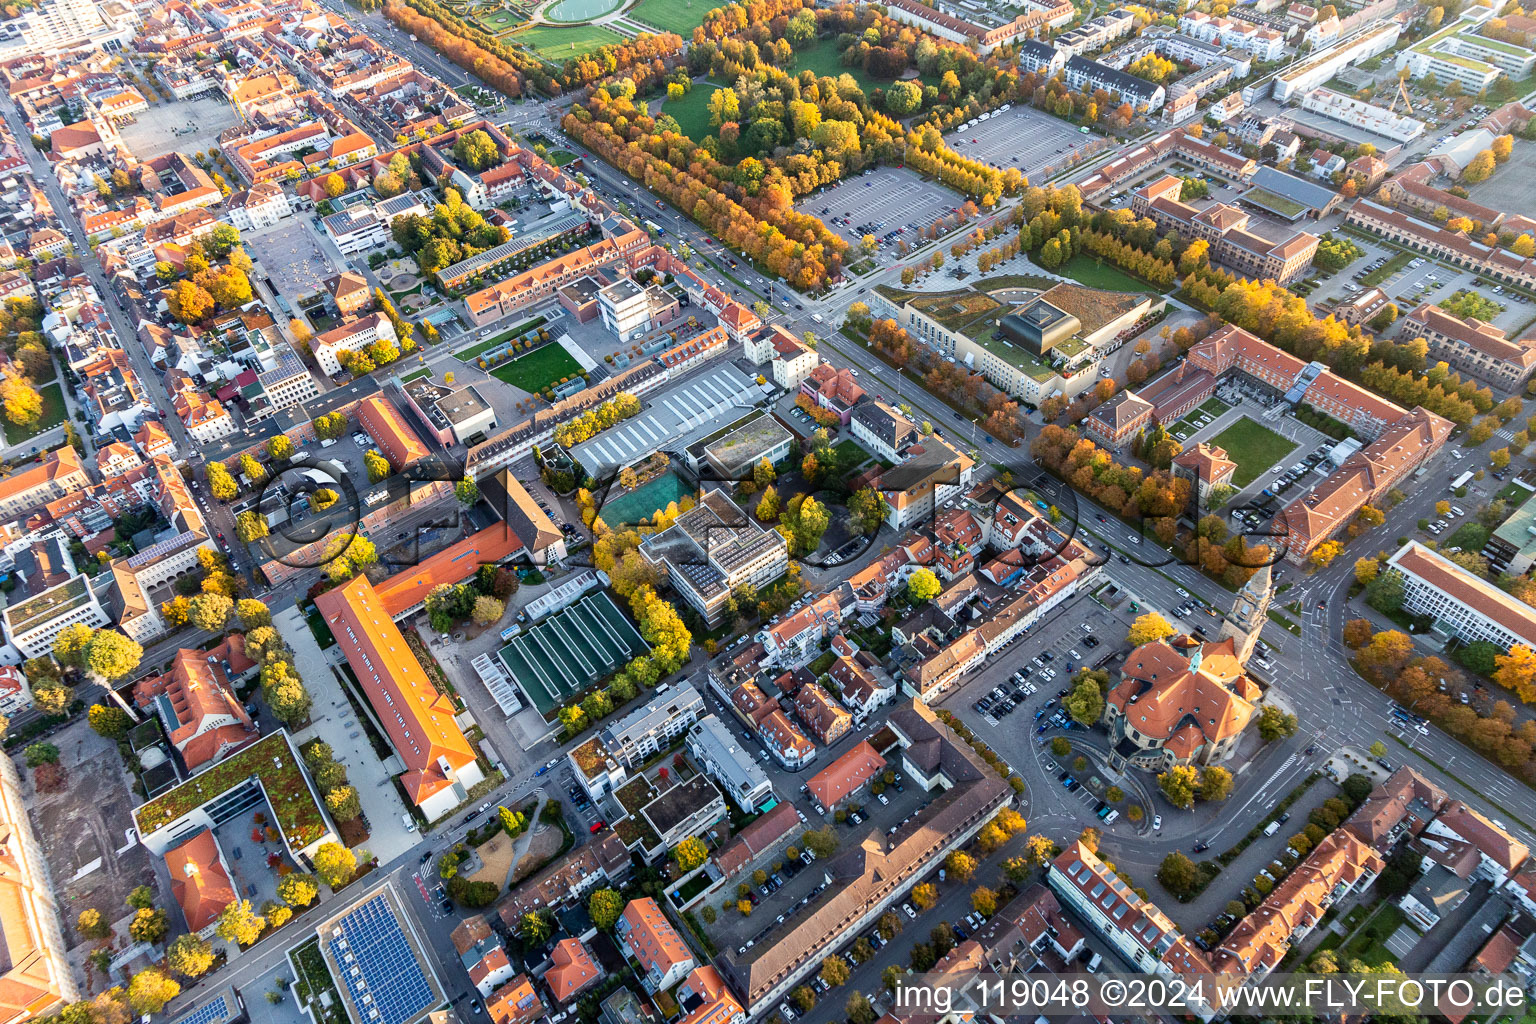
1480,168
1275,724
1366,570
91,925
253,613
960,866
220,483
923,585
984,901
605,906
140,897
768,506
189,955
1086,701
803,996
108,721
335,864
1517,671
378,466
298,889
111,655
1357,633
334,185
467,491
1378,749
150,990
239,923
22,403
41,753
834,971
925,895
857,1006
149,926
1323,555
210,612
1147,628
280,448
1178,874
250,526
344,803
689,854
867,509
1061,746
535,927
1178,785
1215,783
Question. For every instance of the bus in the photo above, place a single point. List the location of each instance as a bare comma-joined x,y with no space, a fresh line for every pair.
1460,482
654,228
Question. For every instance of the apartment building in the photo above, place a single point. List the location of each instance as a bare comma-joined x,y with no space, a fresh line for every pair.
914,489
648,729
790,362
1088,75
1225,229
883,430
1207,467
650,940
822,715
60,473
356,231
732,766
350,337
1439,243
871,874
713,548
1474,348
1461,604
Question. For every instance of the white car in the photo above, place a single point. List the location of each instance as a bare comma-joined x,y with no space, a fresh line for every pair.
300,456
906,908
1157,822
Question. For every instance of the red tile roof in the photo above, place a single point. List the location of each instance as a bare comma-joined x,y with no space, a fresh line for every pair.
198,880
453,564
846,774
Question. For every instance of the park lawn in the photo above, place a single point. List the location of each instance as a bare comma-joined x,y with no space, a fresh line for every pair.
1102,276
539,369
559,43
1255,448
692,111
680,16
498,21
822,57
561,157
53,415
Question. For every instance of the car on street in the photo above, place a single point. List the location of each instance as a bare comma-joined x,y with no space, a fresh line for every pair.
1157,822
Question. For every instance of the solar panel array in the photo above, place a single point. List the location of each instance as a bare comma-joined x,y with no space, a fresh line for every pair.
378,966
216,1011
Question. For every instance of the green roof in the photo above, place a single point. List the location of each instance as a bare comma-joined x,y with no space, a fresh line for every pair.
272,761
973,314
1494,44
1271,201
50,603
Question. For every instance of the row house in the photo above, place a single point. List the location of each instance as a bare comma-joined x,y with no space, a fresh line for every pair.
1473,347
1442,244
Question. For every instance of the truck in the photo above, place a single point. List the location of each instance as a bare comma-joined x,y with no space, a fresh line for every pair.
1460,482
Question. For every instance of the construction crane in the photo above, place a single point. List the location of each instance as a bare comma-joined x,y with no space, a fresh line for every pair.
1402,93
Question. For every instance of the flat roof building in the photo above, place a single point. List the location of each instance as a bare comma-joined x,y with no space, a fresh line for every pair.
715,746
1462,605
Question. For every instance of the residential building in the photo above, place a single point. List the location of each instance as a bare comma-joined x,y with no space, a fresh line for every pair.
32,625
862,683
869,875
1436,893
1088,75
1462,605
705,999
648,729
15,694
989,34
846,776
196,703
884,431
350,337
1225,229
760,841
440,762
822,715
795,638
713,548
481,954
732,766
569,878
515,1003
1474,348
914,489
649,938
1499,855
262,205
1399,807
1207,467
572,971
61,472
791,361
200,881
836,391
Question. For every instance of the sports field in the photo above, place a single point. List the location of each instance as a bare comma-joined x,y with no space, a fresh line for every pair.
1256,449
539,369
680,16
570,650
559,43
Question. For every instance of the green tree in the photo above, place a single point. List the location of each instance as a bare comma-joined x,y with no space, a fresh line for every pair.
960,866
108,721
535,927
923,585
150,990
69,647
1178,874
335,864
140,897
1215,783
41,753
149,926
239,923
298,889
689,854
867,509
834,971
1178,785
92,925
210,612
605,906
1275,724
467,491
1086,700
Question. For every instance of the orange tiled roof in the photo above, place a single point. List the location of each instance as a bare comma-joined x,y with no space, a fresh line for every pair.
846,774
419,720
396,440
573,970
651,937
453,564
198,880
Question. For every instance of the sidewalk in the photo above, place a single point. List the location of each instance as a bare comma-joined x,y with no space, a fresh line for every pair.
333,721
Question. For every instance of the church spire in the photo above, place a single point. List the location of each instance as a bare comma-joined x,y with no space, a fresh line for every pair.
1250,610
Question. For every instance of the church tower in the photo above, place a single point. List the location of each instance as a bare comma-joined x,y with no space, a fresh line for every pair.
1249,612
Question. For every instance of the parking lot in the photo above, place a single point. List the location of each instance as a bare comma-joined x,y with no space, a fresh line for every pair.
292,259
882,200
1021,137
1424,280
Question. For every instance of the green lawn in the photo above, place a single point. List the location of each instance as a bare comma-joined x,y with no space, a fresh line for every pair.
470,354
561,157
1103,276
822,58
680,16
1255,449
538,369
692,111
499,21
53,415
560,43
1214,407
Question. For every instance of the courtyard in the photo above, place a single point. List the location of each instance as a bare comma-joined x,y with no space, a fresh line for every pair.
1255,448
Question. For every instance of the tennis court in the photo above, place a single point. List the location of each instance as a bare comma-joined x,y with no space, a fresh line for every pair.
569,651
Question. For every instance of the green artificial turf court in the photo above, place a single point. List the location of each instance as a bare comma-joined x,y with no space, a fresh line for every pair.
1255,448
